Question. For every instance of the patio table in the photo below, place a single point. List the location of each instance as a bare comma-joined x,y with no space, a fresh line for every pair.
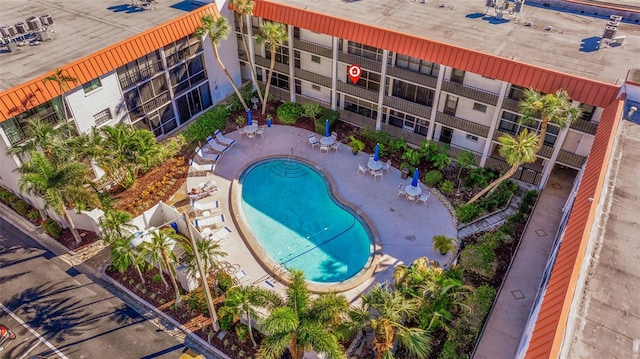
412,192
374,165
250,130
327,141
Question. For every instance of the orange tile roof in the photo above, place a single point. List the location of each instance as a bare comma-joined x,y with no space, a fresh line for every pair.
556,303
581,89
35,91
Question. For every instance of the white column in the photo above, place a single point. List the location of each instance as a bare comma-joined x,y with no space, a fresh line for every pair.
251,56
548,167
436,100
292,82
334,75
494,123
383,76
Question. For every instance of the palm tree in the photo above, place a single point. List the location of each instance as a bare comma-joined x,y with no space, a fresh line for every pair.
303,323
444,244
245,300
209,252
516,151
62,81
245,7
159,253
386,311
123,255
44,137
218,29
114,222
60,185
272,34
555,108
407,279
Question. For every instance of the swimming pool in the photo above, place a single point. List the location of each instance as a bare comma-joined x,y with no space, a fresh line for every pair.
294,216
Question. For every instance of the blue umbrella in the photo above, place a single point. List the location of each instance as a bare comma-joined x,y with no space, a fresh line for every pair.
376,157
326,128
414,181
249,122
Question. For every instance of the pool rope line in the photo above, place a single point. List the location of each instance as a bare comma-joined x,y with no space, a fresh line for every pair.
307,249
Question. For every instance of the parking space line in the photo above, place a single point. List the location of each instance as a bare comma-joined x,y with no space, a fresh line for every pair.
40,337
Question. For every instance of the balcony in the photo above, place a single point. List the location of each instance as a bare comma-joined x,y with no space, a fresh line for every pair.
545,151
415,77
356,119
408,107
312,48
313,77
362,61
357,91
279,67
511,104
571,159
462,124
589,127
470,92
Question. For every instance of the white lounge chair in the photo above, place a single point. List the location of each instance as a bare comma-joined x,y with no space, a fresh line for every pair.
209,221
313,141
206,155
207,167
221,234
224,140
206,206
212,144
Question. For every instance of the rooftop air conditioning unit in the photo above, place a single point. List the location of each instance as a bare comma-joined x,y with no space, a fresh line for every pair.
46,20
491,3
34,23
8,30
22,28
519,6
609,32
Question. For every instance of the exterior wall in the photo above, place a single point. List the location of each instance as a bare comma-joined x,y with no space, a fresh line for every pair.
315,37
84,106
465,110
481,82
323,68
324,95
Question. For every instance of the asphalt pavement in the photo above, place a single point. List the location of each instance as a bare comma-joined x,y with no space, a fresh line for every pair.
58,312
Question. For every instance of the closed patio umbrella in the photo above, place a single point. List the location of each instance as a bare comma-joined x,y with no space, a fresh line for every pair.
376,156
326,128
249,122
414,181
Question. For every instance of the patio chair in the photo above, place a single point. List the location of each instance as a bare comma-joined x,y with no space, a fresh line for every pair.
386,166
260,130
209,221
377,174
211,143
334,134
241,132
423,198
206,155
335,146
207,167
221,234
361,170
206,206
313,141
401,191
224,140
324,148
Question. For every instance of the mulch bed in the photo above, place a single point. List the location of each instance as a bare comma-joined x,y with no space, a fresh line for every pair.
67,239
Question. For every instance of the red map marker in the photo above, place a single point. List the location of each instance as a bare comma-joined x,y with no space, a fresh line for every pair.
354,72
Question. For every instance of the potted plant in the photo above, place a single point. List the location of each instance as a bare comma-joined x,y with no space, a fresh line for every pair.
405,169
444,244
355,144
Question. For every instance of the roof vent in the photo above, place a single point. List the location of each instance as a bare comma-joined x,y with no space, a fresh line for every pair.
528,23
34,23
22,28
46,20
549,28
8,30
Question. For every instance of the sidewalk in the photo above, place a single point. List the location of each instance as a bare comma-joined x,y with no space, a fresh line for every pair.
509,316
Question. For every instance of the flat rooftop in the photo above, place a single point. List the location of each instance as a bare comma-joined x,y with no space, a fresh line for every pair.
569,45
80,28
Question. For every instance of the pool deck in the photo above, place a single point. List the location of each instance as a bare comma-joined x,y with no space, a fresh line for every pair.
404,229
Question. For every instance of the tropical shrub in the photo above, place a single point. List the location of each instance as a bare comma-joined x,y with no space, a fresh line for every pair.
499,197
433,178
198,300
447,187
206,124
52,228
428,149
441,160
397,144
224,281
33,215
479,259
467,212
528,200
288,113
7,196
443,243
21,206
381,137
311,110
479,177
412,157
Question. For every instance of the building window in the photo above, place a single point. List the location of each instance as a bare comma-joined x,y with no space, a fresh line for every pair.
408,122
516,92
139,70
457,76
282,54
361,107
451,105
298,86
92,85
365,51
182,50
472,138
587,111
102,117
188,74
315,87
280,80
514,124
413,93
479,107
369,80
417,65
315,59
147,97
52,112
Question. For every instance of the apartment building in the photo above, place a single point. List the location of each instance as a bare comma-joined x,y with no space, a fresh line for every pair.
451,71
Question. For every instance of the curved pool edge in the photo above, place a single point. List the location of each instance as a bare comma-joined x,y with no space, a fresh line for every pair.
270,266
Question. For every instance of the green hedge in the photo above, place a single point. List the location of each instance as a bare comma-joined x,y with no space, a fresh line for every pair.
288,113
52,228
326,114
22,207
205,125
7,196
433,178
468,212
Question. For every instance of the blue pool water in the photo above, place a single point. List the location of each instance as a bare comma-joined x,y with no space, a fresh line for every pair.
289,207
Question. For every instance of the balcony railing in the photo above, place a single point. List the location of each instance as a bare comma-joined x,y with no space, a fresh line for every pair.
470,92
589,127
279,67
511,104
462,124
365,63
312,48
571,159
356,119
412,76
358,91
408,107
313,77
